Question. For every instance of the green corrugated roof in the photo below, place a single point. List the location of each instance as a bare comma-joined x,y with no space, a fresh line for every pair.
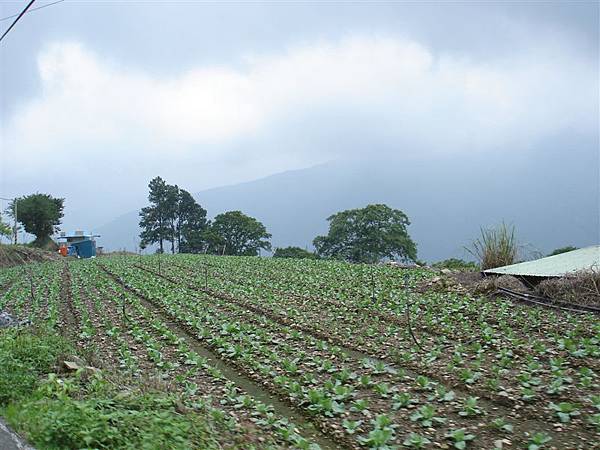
554,266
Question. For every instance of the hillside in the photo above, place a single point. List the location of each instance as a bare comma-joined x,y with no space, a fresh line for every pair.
447,200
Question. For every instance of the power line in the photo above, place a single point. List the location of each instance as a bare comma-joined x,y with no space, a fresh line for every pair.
33,9
17,19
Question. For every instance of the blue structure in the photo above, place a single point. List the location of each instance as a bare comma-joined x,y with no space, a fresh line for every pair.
80,244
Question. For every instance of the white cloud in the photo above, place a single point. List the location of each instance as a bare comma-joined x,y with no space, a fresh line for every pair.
102,110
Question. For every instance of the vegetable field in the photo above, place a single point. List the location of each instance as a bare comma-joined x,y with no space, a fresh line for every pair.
327,354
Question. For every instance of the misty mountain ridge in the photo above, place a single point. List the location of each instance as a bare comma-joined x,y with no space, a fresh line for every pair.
551,196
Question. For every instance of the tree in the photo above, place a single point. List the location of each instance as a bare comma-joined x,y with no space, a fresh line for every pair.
191,224
293,252
173,216
39,214
171,209
367,235
154,219
234,233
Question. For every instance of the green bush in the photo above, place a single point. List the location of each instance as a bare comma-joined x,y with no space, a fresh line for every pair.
293,252
455,263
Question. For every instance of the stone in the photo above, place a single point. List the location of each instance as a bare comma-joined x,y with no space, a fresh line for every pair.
71,365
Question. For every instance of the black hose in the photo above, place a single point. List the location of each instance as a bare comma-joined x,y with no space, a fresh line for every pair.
548,302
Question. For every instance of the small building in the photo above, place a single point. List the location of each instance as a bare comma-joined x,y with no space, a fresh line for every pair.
79,243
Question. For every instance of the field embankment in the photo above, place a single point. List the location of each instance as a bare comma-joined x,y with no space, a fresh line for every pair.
14,255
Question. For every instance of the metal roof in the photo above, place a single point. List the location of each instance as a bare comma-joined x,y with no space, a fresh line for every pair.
75,234
554,266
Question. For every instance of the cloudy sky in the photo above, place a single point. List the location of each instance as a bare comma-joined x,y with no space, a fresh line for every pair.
96,98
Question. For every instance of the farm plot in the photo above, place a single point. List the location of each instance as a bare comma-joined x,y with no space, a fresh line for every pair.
313,353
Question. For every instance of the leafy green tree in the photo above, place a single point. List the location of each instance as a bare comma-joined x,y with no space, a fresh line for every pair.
173,216
40,215
293,252
191,224
558,251
234,233
154,219
171,210
367,235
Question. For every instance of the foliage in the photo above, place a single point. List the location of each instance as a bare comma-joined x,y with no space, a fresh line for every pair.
154,218
5,229
495,247
293,252
558,251
67,413
40,215
234,233
88,410
460,438
191,224
24,358
367,235
173,216
455,263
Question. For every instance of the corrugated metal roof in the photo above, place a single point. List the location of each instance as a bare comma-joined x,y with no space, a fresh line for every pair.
554,266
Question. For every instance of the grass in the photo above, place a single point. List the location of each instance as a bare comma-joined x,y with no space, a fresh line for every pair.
496,247
87,410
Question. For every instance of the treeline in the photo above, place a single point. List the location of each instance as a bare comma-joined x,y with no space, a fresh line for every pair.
175,219
359,235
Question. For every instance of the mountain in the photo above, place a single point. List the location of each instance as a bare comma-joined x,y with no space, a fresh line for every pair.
551,196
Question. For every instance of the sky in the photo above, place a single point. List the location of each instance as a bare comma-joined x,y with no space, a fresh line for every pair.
97,98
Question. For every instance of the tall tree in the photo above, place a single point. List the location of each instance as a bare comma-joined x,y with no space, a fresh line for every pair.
234,233
173,216
154,219
367,235
191,224
171,213
40,215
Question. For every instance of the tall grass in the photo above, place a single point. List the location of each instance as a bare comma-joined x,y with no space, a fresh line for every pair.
495,247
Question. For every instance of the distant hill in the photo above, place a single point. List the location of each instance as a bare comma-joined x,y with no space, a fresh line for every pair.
551,197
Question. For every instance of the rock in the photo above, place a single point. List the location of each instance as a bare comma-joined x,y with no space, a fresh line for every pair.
71,365
446,271
6,320
76,359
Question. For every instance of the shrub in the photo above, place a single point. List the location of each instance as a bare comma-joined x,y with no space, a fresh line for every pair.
495,247
293,252
455,263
